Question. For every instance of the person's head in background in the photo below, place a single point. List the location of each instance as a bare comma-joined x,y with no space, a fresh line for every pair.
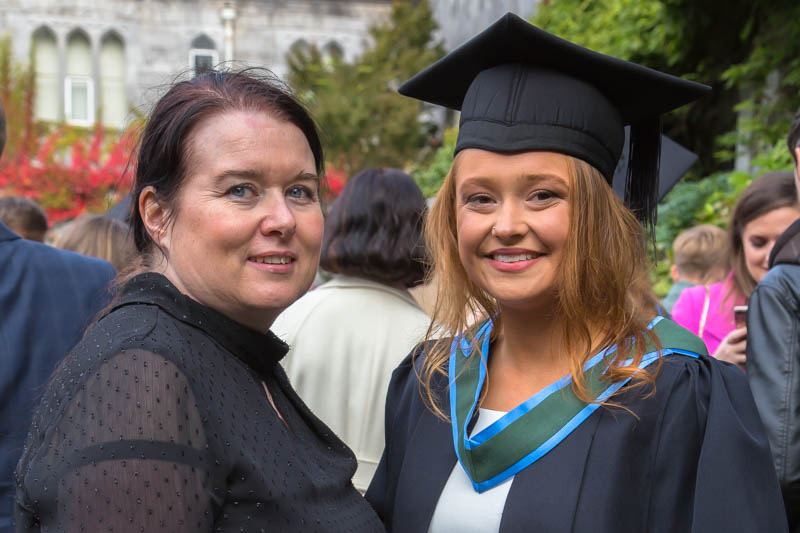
701,255
374,229
765,209
98,236
24,217
793,143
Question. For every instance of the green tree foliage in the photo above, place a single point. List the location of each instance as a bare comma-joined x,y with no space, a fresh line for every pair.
429,177
363,120
748,50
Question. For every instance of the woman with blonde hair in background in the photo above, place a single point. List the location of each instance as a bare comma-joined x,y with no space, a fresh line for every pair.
98,236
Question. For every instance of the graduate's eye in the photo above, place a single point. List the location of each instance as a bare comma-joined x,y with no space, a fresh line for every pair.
543,196
479,199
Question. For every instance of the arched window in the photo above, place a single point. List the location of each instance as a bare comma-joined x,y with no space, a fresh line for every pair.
78,86
332,52
203,54
113,101
45,53
299,48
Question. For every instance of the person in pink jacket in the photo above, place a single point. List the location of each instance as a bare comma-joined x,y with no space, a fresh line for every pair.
765,209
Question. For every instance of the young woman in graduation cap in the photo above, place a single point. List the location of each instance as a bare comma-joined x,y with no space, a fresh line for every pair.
568,407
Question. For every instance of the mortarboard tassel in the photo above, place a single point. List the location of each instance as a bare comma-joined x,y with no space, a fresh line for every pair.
641,182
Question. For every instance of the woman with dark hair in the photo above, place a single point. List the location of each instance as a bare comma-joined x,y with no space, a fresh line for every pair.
173,413
347,335
764,210
569,406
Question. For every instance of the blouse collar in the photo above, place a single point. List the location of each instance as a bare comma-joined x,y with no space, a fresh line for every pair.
260,351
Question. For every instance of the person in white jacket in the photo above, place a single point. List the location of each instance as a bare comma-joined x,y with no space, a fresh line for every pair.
347,335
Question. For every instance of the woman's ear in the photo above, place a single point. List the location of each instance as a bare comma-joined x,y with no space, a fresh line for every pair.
155,217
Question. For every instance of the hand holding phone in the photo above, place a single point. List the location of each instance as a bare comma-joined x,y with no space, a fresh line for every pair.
740,316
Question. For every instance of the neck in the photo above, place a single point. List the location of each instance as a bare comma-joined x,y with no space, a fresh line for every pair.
524,358
529,340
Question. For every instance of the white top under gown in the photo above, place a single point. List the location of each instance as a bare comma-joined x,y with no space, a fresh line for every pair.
461,509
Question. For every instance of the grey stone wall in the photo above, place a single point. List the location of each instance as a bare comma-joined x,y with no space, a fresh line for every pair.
157,34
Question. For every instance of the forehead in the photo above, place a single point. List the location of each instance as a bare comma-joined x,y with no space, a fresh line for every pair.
241,136
474,163
773,222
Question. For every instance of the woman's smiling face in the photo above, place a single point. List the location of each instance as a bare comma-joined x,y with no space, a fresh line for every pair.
246,236
512,220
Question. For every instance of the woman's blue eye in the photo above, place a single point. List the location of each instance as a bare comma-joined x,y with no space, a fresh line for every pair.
300,192
239,191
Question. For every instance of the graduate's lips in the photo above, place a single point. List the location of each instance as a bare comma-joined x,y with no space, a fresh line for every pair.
278,262
513,259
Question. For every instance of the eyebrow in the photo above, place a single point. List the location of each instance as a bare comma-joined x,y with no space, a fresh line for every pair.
250,173
486,180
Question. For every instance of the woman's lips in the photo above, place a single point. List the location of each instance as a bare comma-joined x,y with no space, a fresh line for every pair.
513,260
276,263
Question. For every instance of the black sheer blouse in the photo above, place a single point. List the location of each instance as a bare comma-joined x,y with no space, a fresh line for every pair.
159,421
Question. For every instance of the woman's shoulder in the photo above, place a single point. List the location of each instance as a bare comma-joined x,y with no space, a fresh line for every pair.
687,366
407,376
136,330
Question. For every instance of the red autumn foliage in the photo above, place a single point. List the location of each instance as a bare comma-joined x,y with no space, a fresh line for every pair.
70,171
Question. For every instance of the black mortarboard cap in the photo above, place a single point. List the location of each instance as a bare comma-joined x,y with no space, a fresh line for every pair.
520,88
674,162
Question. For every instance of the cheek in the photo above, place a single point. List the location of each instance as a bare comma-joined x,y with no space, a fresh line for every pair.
753,255
555,229
310,227
468,237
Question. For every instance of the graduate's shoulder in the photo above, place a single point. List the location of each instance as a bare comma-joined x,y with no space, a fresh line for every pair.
683,351
409,375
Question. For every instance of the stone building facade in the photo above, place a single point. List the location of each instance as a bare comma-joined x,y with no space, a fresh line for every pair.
101,59
107,57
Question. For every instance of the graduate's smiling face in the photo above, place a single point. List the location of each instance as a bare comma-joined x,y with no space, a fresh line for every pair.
512,222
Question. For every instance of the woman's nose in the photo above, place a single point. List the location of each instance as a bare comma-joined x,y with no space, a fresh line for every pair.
277,217
509,222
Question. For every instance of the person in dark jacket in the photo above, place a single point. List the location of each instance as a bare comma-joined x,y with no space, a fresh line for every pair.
773,351
47,298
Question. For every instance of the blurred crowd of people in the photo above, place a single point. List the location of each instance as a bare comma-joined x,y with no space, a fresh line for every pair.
236,356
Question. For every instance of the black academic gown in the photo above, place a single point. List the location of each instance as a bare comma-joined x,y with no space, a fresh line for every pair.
694,459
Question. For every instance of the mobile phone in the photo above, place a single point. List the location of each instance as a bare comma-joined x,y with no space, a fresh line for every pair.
740,316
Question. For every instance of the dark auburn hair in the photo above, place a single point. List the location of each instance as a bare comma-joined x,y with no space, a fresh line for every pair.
374,229
164,148
771,191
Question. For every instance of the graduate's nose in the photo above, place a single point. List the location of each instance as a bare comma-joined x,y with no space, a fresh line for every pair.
509,222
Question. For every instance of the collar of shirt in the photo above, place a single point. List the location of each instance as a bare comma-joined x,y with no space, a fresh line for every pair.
260,351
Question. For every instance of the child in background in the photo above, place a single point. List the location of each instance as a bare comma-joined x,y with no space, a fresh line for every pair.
701,257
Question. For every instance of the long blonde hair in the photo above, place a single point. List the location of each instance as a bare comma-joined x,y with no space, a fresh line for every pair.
604,263
98,236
